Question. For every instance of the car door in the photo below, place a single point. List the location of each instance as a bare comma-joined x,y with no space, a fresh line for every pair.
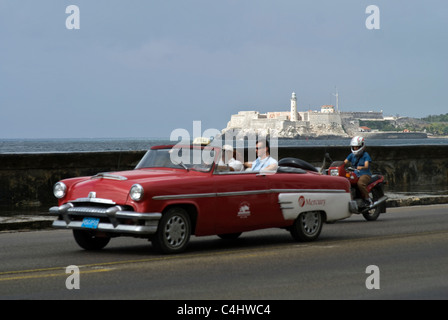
242,201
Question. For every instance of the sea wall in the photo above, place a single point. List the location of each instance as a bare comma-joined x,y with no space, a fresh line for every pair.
404,167
26,180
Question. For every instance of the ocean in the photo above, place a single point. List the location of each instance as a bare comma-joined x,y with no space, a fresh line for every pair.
18,146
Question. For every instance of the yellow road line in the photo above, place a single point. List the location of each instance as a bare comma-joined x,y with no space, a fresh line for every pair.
51,275
112,263
245,253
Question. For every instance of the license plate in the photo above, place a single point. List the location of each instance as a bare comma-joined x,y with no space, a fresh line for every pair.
91,223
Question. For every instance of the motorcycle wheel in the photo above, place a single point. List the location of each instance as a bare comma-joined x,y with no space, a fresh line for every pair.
374,213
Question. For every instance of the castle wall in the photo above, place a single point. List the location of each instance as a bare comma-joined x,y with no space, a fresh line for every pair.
242,119
364,115
317,118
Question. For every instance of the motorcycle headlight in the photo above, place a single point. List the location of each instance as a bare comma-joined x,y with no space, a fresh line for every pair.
59,190
334,172
136,192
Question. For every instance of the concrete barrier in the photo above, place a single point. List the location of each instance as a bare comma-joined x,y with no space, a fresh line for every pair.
26,180
403,166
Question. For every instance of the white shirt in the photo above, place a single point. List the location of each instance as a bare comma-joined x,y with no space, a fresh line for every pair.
260,164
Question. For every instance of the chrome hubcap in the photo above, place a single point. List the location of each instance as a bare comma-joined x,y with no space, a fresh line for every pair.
175,231
310,222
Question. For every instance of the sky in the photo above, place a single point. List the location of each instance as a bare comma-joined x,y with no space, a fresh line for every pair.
144,68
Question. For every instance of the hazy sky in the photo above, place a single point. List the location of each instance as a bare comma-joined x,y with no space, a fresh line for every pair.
143,68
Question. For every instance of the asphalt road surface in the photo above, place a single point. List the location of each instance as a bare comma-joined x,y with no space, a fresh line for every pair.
403,255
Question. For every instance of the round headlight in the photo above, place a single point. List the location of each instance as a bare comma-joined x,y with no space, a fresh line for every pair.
136,192
59,190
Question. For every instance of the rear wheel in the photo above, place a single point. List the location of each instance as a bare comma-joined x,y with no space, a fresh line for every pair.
307,226
87,240
173,232
374,213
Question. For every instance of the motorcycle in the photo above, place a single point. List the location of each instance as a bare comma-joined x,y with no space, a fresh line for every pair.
375,188
338,168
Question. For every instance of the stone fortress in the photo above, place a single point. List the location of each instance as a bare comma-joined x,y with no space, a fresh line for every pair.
327,122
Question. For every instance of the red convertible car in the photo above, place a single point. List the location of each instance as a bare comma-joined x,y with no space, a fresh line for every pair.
179,191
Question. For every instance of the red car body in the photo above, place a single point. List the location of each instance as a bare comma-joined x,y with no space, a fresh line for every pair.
168,200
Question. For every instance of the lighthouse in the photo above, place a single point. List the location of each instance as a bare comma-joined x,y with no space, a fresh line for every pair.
294,107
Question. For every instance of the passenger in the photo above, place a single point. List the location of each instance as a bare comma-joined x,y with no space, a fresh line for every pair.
361,160
264,161
228,160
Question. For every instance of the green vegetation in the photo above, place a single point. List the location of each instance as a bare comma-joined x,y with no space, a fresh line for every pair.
437,128
435,124
439,118
386,125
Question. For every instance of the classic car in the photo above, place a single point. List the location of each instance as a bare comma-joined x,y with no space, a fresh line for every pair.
178,191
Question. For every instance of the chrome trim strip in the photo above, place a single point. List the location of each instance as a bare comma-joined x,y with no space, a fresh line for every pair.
113,213
108,227
105,175
185,196
94,200
137,215
105,212
309,191
244,193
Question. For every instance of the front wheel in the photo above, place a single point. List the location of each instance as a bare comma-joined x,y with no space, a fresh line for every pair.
230,236
87,240
307,226
173,232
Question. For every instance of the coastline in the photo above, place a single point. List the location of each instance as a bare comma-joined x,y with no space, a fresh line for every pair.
367,135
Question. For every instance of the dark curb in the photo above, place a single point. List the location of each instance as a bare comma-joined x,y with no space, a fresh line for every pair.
416,201
23,222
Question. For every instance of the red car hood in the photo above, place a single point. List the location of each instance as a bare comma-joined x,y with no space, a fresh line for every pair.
115,186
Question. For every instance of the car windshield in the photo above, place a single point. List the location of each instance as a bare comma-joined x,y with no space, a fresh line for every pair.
186,157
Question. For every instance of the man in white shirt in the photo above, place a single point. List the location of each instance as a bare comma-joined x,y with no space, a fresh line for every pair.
264,162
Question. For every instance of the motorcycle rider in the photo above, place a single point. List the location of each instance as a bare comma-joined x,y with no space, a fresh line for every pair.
361,160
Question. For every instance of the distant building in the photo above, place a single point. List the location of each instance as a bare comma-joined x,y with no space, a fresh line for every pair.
294,123
364,129
327,109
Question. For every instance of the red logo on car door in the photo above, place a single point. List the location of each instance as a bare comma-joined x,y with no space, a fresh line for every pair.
301,201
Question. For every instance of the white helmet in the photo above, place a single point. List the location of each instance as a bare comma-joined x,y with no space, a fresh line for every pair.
357,141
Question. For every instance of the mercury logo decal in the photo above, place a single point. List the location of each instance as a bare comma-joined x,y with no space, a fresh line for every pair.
301,201
311,202
244,210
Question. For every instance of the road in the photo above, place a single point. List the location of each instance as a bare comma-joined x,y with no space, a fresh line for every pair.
408,246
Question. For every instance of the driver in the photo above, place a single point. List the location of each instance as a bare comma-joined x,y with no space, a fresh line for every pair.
264,162
361,160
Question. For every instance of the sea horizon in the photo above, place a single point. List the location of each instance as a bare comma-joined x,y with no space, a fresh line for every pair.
57,145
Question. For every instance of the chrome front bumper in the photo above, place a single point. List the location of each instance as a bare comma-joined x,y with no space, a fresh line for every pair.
112,218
